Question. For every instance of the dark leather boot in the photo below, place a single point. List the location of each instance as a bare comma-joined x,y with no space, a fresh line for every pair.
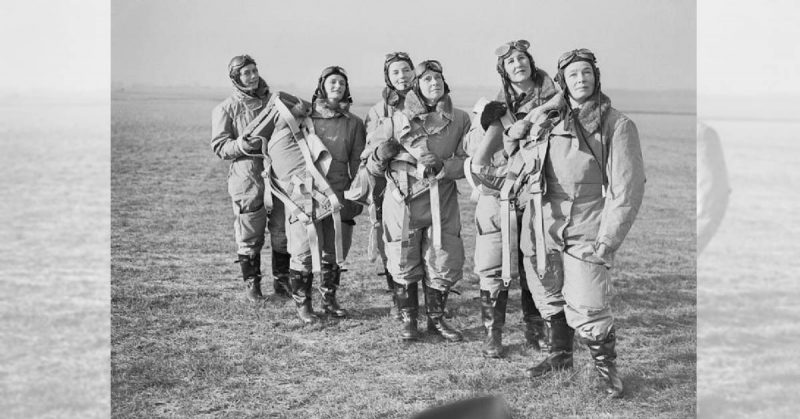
534,323
300,283
331,275
493,311
604,356
407,297
251,272
389,280
560,337
394,312
280,274
435,303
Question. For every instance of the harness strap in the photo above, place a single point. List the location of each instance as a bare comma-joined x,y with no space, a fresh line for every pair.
538,229
509,234
372,247
436,219
294,210
405,242
475,194
268,201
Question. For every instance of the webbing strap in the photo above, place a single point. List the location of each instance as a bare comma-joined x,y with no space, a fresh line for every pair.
372,247
538,228
268,202
475,194
405,243
436,219
509,234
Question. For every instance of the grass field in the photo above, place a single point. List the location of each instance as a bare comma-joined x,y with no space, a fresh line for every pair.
185,344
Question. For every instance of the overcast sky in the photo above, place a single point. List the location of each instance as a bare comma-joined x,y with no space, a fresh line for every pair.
640,44
69,45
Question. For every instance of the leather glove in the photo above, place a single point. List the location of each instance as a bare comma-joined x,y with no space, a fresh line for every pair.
298,107
388,149
252,145
519,130
491,113
431,162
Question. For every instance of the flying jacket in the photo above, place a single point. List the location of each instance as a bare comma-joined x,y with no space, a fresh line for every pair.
576,215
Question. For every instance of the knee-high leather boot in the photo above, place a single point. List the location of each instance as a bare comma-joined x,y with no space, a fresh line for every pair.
251,273
493,311
407,297
394,311
534,323
280,274
604,356
300,283
560,338
331,274
435,303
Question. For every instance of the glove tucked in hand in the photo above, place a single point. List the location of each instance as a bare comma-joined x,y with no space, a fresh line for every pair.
430,161
298,107
388,149
491,113
251,145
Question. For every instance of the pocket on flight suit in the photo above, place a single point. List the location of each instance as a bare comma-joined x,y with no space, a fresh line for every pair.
245,188
587,286
553,279
487,217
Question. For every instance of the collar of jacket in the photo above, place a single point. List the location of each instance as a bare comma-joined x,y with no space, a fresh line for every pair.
392,97
260,93
416,108
543,89
324,109
590,115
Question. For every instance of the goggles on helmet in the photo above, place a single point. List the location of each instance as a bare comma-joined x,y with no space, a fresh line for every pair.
334,69
240,61
428,65
581,54
520,45
396,56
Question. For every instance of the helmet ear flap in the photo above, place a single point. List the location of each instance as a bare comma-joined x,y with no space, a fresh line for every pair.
559,79
596,78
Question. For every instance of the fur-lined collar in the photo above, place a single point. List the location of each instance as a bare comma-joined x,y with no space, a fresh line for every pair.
590,114
543,89
393,97
415,106
261,92
324,109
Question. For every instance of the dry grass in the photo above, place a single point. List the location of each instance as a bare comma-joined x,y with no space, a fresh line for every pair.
184,343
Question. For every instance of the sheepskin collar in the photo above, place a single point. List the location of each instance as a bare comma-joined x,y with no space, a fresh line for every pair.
590,114
325,109
393,97
542,90
261,92
416,107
